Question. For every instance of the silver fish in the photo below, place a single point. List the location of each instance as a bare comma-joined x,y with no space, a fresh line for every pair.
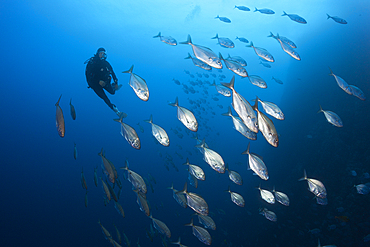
244,40
234,67
262,53
60,119
332,117
256,164
257,81
186,116
284,39
265,64
272,109
295,18
72,110
138,84
357,92
129,133
180,198
342,83
267,127
196,171
315,186
235,177
161,227
243,108
240,126
166,39
142,202
198,63
193,180
201,233
119,209
337,19
212,158
243,8
268,214
236,198
224,42
289,50
204,54
265,11
194,201
222,89
206,221
281,197
267,195
224,19
237,59
135,179
159,133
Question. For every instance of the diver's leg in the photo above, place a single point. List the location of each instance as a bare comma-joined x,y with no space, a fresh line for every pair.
100,92
110,89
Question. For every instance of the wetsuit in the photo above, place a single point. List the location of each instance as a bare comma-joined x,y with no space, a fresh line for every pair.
100,70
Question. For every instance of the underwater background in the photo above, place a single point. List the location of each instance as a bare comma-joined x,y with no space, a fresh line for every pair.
44,47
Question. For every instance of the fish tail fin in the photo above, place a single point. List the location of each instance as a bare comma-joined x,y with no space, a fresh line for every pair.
255,9
190,224
236,38
214,83
328,16
320,109
255,106
220,56
187,162
150,119
216,37
217,17
250,45
271,35
188,57
228,113
126,166
230,84
318,243
70,101
188,41
284,14
101,153
304,176
158,35
247,151
178,242
331,72
130,70
57,104
170,187
176,102
273,188
184,190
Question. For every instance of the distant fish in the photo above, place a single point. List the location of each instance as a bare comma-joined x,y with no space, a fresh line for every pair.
288,49
315,186
129,134
224,42
86,200
262,53
138,84
243,8
60,119
159,133
186,116
256,164
265,11
224,19
75,151
237,59
161,227
357,92
236,198
257,81
108,168
201,233
206,221
265,64
106,189
142,202
243,39
284,39
268,214
234,67
195,170
83,180
180,198
240,126
168,40
194,201
72,110
281,197
332,117
337,19
222,89
362,189
277,80
198,63
295,18
204,54
341,83
95,177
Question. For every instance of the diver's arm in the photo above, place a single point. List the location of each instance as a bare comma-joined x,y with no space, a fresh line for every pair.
112,72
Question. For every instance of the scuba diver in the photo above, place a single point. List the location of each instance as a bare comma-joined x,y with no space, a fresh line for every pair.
99,74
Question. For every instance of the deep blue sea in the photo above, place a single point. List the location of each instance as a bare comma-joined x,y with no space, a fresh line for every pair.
44,45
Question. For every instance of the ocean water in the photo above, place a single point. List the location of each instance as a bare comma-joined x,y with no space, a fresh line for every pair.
44,47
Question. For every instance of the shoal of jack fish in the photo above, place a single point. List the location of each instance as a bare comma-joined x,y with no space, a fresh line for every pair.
248,121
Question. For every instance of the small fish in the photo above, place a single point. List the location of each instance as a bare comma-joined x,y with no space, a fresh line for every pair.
75,151
194,201
234,67
60,119
362,189
337,19
272,109
222,89
206,221
119,209
142,202
267,195
161,227
277,80
287,48
95,177
204,54
108,168
135,179
129,134
237,59
315,186
244,40
236,198
332,117
262,53
264,11
224,42
212,158
86,199
83,180
176,81
118,235
196,171
201,233
265,64
141,128
72,110
256,164
186,116
284,39
235,177
267,127
342,83
106,234
224,19
159,133
138,84
179,198
106,189
257,81
240,126
198,63
295,18
243,8
166,39
281,197
268,214
357,92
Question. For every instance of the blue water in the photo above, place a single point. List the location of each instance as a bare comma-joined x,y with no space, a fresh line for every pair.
44,46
